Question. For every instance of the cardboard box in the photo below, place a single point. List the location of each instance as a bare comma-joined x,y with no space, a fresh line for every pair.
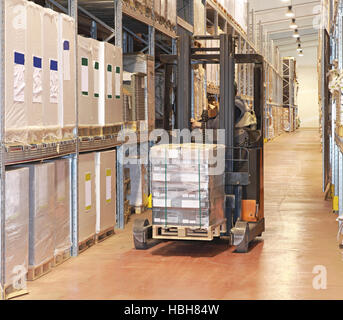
105,190
111,79
42,213
67,73
87,196
51,85
16,223
62,211
16,109
88,86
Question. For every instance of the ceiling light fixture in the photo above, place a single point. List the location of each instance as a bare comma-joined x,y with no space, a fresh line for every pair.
301,54
296,34
299,48
293,25
298,40
290,13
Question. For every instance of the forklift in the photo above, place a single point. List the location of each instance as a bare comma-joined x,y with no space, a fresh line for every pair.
244,176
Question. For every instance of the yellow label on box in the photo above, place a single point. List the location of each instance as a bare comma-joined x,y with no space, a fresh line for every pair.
88,191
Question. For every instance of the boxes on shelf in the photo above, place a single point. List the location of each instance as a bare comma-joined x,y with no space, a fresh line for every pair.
171,14
110,84
143,66
67,73
87,196
139,183
51,84
16,224
34,82
105,190
42,214
16,108
185,190
89,76
62,201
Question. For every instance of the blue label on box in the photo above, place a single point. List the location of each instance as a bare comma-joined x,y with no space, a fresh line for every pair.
66,45
53,65
37,62
19,58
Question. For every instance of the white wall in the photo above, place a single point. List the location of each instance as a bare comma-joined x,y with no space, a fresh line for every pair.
308,86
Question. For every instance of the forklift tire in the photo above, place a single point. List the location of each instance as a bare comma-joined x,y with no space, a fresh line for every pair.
140,234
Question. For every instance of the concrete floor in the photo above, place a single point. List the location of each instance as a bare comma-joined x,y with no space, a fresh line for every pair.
300,234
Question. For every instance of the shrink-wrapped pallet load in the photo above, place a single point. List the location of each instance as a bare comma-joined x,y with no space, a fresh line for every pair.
67,73
157,8
62,202
87,196
42,213
16,224
110,80
16,108
51,127
186,190
105,190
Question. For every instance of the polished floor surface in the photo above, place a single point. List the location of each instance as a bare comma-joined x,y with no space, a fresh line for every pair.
300,236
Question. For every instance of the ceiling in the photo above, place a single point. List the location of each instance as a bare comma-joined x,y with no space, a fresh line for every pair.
271,13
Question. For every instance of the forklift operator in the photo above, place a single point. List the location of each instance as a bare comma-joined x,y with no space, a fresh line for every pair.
245,120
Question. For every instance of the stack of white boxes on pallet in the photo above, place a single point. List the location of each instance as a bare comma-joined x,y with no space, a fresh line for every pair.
187,187
39,73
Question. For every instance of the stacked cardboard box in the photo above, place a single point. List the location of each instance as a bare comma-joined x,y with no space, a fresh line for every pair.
87,198
42,213
105,190
16,224
139,189
62,208
186,190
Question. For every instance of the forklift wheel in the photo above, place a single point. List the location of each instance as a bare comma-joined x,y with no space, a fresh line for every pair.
141,233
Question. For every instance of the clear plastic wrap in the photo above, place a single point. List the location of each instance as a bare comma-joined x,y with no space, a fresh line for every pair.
62,212
16,110
185,191
51,85
105,190
42,213
199,18
111,78
87,196
16,222
88,56
139,184
34,74
157,7
67,72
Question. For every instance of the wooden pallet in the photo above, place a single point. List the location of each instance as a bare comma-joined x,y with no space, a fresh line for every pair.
89,242
61,257
10,292
188,233
103,235
36,272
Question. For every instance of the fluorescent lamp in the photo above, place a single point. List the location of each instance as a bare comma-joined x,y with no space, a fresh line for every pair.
296,34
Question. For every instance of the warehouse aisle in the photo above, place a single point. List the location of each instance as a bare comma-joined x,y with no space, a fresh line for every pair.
300,235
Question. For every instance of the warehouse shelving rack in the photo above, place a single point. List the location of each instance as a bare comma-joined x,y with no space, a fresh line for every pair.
114,20
332,140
